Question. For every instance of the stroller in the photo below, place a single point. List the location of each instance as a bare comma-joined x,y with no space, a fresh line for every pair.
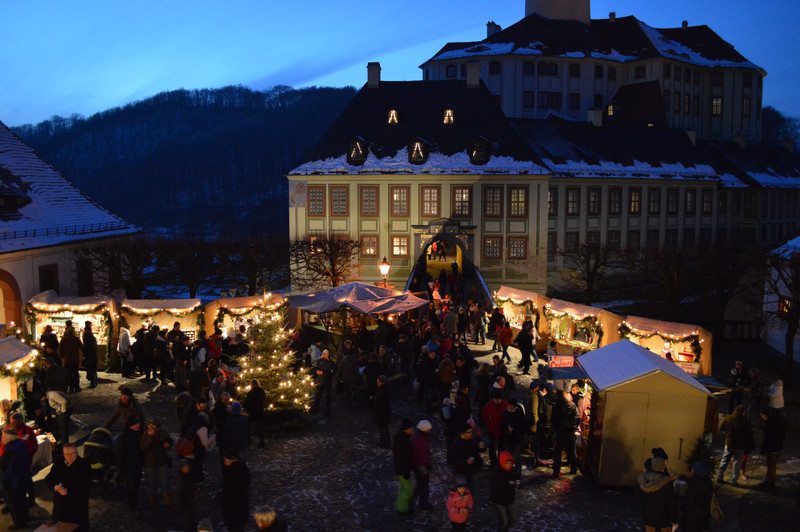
97,450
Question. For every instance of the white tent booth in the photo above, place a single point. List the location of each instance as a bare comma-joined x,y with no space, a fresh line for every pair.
642,401
15,356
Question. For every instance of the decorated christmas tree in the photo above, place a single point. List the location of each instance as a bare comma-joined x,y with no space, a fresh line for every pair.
287,384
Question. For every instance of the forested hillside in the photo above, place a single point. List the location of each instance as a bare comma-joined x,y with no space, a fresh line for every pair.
200,160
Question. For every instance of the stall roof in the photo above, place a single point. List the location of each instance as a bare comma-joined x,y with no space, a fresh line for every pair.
361,297
624,361
668,328
13,350
50,298
575,310
516,295
251,301
151,305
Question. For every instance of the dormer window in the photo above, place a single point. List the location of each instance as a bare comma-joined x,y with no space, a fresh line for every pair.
611,110
479,151
418,152
357,153
392,116
449,116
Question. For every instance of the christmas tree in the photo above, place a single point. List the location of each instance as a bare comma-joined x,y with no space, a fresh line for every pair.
287,384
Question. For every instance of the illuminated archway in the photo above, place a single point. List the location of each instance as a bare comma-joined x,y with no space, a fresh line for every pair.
11,299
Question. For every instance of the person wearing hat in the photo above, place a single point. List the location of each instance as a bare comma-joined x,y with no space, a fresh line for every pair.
659,506
503,489
403,465
740,378
155,444
421,449
127,407
464,456
459,505
771,446
697,507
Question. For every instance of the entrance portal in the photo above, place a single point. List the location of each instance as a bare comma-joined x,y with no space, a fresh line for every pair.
10,300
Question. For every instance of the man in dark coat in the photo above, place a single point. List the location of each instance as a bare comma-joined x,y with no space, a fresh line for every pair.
659,507
426,378
16,476
70,350
565,422
70,478
403,465
348,376
738,442
234,497
90,354
421,448
325,372
235,432
774,434
254,405
382,411
464,457
503,492
697,508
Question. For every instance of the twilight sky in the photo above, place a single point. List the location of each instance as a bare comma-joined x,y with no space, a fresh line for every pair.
85,56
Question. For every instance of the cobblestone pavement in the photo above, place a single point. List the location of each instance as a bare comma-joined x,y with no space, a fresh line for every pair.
333,478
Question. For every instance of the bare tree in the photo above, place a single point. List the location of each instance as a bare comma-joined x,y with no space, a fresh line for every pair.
119,264
783,284
189,259
671,270
588,267
323,262
259,262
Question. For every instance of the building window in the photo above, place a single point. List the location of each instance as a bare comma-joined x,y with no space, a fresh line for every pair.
707,201
598,72
691,200
573,201
651,239
696,105
431,201
614,200
598,100
528,99
594,195
639,72
493,247
492,202
678,71
574,70
527,68
635,203
705,236
392,116
574,101
449,117
654,201
634,239
667,100
593,239
613,240
571,240
716,106
667,71
612,73
747,79
418,152
549,100
518,248
548,69
339,201
495,68
517,202
400,245
696,78
357,153
369,201
610,110
462,202
722,201
745,106
552,201
85,277
687,103
672,201
369,245
399,203
450,72
717,79
552,246
48,277
688,237
676,102
479,154
671,239
463,70
316,201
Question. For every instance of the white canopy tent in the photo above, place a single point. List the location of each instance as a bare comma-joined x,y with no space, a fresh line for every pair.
361,297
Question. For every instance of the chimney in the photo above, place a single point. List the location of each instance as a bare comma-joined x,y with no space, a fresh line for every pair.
685,24
473,74
788,144
492,29
596,117
373,75
692,134
741,140
612,16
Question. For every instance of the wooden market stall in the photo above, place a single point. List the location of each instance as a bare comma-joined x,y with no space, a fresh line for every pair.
16,357
689,346
229,313
518,305
642,401
164,313
575,326
48,308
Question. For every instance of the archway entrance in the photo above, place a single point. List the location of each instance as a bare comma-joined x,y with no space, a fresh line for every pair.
10,300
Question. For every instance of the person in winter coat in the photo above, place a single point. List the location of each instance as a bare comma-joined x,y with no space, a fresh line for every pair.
15,472
771,446
426,378
524,342
347,375
504,337
127,407
492,415
234,497
775,393
155,445
382,411
267,519
164,356
90,354
70,350
738,442
129,457
70,478
235,432
325,370
125,352
514,430
565,422
503,490
403,454
445,374
148,352
464,457
659,507
459,505
254,406
697,508
421,449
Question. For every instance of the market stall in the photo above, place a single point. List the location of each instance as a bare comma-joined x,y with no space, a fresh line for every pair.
579,327
518,306
16,363
230,313
48,308
689,346
164,313
641,401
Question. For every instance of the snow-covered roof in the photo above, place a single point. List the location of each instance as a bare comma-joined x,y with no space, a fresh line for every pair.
50,300
12,350
668,328
56,213
624,361
516,295
157,305
576,310
792,247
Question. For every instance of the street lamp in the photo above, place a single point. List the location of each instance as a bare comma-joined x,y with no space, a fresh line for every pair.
384,268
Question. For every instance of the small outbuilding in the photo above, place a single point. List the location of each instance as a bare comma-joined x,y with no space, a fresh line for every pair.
641,401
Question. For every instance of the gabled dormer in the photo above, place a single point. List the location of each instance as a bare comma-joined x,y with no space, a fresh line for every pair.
357,151
479,150
418,151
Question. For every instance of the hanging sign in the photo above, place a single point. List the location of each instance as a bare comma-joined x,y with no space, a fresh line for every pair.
557,361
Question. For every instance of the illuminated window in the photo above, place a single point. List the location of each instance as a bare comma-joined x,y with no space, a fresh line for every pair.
369,245
400,246
635,201
493,201
610,111
493,247
357,153
418,152
369,201
518,248
399,203
462,202
448,116
716,106
552,201
316,201
518,202
431,201
339,201
392,116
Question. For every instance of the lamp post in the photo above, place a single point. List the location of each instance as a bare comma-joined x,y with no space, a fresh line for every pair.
384,268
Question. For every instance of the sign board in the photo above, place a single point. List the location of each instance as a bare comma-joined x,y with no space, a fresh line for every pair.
692,368
557,361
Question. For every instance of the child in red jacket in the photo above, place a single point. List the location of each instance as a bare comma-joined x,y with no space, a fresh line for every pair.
459,504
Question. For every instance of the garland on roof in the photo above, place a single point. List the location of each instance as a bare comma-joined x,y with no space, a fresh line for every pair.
22,373
153,313
626,331
225,311
32,316
591,323
201,319
530,308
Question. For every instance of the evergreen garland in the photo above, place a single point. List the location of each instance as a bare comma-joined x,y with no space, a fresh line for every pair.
591,323
694,340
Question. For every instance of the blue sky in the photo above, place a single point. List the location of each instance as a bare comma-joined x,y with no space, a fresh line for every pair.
85,56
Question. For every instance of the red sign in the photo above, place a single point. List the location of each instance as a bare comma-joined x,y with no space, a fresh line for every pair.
692,368
562,361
